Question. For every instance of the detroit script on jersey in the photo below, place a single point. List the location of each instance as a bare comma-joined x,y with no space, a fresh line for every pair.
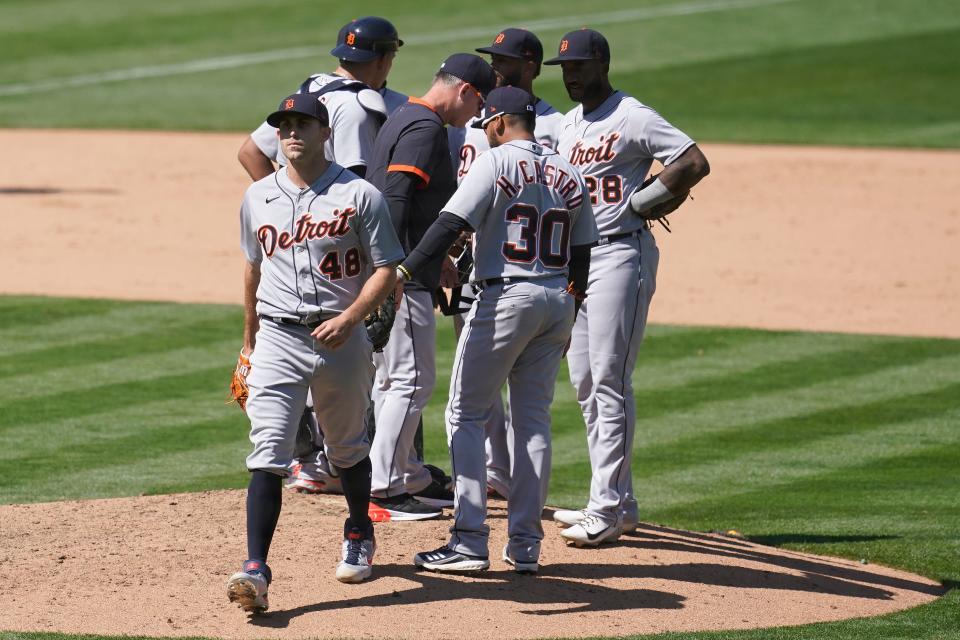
315,246
614,147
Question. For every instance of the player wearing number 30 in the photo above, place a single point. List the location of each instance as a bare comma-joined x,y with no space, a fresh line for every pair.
534,228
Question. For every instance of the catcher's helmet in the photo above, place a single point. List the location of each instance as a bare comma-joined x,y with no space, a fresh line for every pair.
366,39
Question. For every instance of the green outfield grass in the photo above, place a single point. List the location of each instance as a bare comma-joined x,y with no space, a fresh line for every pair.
836,444
861,72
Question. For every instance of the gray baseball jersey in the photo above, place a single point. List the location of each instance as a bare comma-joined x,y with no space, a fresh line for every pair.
614,146
315,246
467,143
527,206
352,128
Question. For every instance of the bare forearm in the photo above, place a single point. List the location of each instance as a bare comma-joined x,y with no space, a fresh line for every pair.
373,293
251,322
686,171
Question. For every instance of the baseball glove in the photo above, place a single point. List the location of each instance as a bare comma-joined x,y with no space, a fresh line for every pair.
380,322
238,384
659,212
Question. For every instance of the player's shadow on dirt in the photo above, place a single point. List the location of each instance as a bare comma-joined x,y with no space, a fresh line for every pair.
547,594
49,191
826,577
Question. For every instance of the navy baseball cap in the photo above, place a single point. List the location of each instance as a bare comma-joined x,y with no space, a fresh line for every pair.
582,44
516,43
472,69
505,100
307,104
366,39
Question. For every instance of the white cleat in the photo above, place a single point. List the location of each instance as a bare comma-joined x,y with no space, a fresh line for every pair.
590,532
446,559
526,568
630,514
249,590
357,552
569,517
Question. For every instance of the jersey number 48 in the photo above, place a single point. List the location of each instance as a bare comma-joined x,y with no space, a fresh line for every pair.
545,236
331,265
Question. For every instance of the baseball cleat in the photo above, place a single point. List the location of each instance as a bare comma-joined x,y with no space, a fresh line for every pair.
302,484
359,545
248,587
446,559
401,508
440,476
526,568
435,495
590,532
631,516
569,517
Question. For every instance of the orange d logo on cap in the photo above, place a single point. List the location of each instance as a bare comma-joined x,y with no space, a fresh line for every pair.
499,39
564,45
351,38
288,105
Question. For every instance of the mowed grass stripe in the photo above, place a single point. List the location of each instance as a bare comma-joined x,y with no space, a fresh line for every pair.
736,472
29,315
88,378
187,408
722,415
105,398
131,448
797,433
812,95
212,458
67,323
711,405
847,512
110,349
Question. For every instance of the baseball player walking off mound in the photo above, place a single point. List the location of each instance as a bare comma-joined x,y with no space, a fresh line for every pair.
365,49
613,139
320,255
528,207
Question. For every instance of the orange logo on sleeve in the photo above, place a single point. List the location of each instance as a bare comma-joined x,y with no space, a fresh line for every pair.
564,45
288,105
351,38
499,39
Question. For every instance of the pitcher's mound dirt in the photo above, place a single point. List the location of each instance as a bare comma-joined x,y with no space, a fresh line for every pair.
158,565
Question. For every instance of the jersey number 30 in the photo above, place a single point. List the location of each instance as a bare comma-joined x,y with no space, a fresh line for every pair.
545,236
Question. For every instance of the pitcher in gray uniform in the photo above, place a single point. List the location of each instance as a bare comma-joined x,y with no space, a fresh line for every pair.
320,253
530,211
613,139
365,49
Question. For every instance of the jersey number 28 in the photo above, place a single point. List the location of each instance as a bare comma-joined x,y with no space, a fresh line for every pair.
545,236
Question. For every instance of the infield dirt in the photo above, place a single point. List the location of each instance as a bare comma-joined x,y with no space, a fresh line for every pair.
810,238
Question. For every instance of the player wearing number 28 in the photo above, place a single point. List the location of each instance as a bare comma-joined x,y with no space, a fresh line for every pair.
531,214
613,139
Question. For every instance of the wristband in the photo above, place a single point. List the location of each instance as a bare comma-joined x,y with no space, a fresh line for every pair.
650,196
404,273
